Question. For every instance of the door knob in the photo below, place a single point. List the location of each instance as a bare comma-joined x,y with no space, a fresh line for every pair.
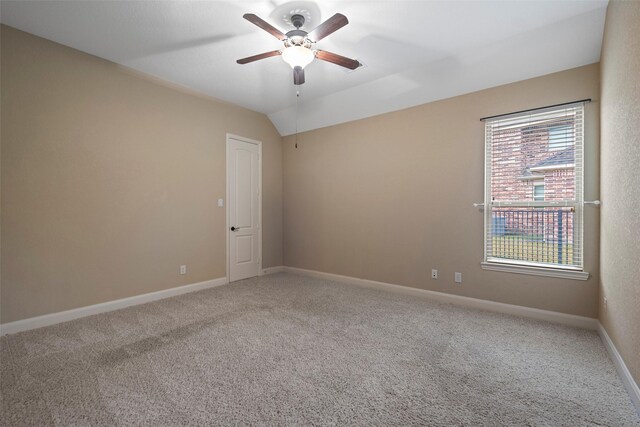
234,229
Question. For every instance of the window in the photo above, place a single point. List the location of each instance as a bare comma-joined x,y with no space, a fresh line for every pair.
538,192
533,191
560,137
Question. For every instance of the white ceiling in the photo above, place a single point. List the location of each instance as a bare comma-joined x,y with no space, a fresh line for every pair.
415,51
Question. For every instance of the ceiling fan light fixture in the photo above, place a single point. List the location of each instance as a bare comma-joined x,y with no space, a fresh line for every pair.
297,56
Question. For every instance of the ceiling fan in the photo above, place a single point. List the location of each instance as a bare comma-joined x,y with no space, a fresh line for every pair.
297,50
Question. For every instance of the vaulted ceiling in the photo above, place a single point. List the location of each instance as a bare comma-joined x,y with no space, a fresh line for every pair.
414,51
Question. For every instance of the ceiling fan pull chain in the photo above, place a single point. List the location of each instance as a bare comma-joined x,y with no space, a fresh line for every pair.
297,96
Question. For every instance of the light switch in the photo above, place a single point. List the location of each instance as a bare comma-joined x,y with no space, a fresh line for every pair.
220,203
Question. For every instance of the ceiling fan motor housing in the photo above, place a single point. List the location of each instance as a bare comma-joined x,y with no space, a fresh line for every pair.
297,37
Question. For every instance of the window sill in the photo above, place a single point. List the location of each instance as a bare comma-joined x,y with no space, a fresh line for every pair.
535,271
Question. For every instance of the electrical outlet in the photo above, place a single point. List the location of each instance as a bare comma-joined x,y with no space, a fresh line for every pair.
183,269
605,304
434,273
458,277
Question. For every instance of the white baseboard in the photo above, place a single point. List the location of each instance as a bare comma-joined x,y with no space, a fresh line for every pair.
76,313
499,307
625,375
272,270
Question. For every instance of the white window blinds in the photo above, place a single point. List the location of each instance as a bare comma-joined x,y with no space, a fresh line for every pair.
534,187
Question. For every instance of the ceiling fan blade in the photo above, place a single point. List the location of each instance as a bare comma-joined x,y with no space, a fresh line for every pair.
256,20
258,57
343,61
329,26
298,75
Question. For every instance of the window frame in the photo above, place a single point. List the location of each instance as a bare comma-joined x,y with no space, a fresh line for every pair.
526,267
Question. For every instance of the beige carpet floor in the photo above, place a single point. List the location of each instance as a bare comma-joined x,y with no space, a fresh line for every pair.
289,350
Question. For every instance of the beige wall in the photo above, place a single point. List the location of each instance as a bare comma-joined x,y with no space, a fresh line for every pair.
389,197
110,180
620,181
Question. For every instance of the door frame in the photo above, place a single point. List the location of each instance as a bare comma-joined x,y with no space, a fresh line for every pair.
228,234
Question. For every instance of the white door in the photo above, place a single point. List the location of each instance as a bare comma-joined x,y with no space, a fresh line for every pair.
243,179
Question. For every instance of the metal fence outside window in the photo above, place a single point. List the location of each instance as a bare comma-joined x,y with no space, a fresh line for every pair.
541,235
